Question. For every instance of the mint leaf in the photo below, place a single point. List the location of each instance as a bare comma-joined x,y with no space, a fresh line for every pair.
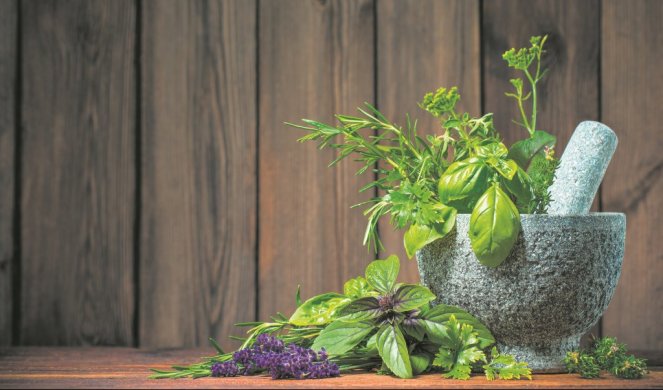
382,274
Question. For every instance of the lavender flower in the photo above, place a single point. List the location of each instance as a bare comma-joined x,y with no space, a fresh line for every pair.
225,369
269,354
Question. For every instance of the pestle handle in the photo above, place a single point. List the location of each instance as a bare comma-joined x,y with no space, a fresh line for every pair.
581,168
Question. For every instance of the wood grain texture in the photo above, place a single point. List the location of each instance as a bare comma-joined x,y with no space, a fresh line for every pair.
316,59
8,26
569,93
129,368
632,91
198,218
424,45
78,190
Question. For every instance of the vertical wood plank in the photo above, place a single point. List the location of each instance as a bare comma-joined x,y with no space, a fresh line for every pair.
569,92
316,59
78,184
198,221
424,45
632,91
8,25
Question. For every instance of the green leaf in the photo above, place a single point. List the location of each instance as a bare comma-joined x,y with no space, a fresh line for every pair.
298,297
462,183
411,296
420,362
361,309
319,310
441,314
393,351
460,371
418,236
382,274
444,358
524,150
506,168
414,328
340,337
520,186
357,288
494,226
505,367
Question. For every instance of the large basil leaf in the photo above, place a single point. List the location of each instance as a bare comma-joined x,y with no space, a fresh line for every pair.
357,288
382,274
441,314
494,226
393,351
411,296
319,310
462,183
520,186
361,309
339,337
524,150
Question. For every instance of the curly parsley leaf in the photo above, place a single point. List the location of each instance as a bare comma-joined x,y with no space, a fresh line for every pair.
506,367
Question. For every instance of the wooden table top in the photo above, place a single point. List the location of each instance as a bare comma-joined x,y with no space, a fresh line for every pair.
34,367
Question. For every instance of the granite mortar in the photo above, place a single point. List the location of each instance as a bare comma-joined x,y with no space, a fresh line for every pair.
553,287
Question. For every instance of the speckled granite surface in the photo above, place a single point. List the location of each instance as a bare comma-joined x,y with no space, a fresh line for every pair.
552,288
581,168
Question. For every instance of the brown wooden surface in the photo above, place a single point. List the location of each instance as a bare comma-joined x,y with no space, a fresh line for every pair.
316,59
129,368
78,183
8,30
632,46
424,45
199,186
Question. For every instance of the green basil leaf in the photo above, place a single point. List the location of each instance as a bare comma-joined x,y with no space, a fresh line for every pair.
382,274
361,309
414,328
494,226
339,337
418,236
420,362
319,310
411,296
393,351
506,168
357,288
493,149
441,314
520,186
463,183
524,150
372,343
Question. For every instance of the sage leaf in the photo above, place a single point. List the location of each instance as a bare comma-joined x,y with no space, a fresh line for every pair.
393,351
361,309
382,274
441,314
340,337
411,296
462,183
318,310
494,226
524,150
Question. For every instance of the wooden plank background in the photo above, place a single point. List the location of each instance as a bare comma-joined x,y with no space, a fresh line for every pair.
151,195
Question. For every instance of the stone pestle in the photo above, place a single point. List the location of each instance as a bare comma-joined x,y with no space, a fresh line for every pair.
581,168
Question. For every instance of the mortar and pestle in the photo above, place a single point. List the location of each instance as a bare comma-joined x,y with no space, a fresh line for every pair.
561,274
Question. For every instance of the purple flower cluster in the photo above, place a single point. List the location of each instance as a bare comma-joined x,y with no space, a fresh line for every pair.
270,354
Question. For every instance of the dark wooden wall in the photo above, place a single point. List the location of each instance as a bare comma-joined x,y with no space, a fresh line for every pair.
150,194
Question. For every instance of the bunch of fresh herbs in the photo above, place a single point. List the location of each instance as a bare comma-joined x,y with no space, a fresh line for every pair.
427,180
605,354
376,323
